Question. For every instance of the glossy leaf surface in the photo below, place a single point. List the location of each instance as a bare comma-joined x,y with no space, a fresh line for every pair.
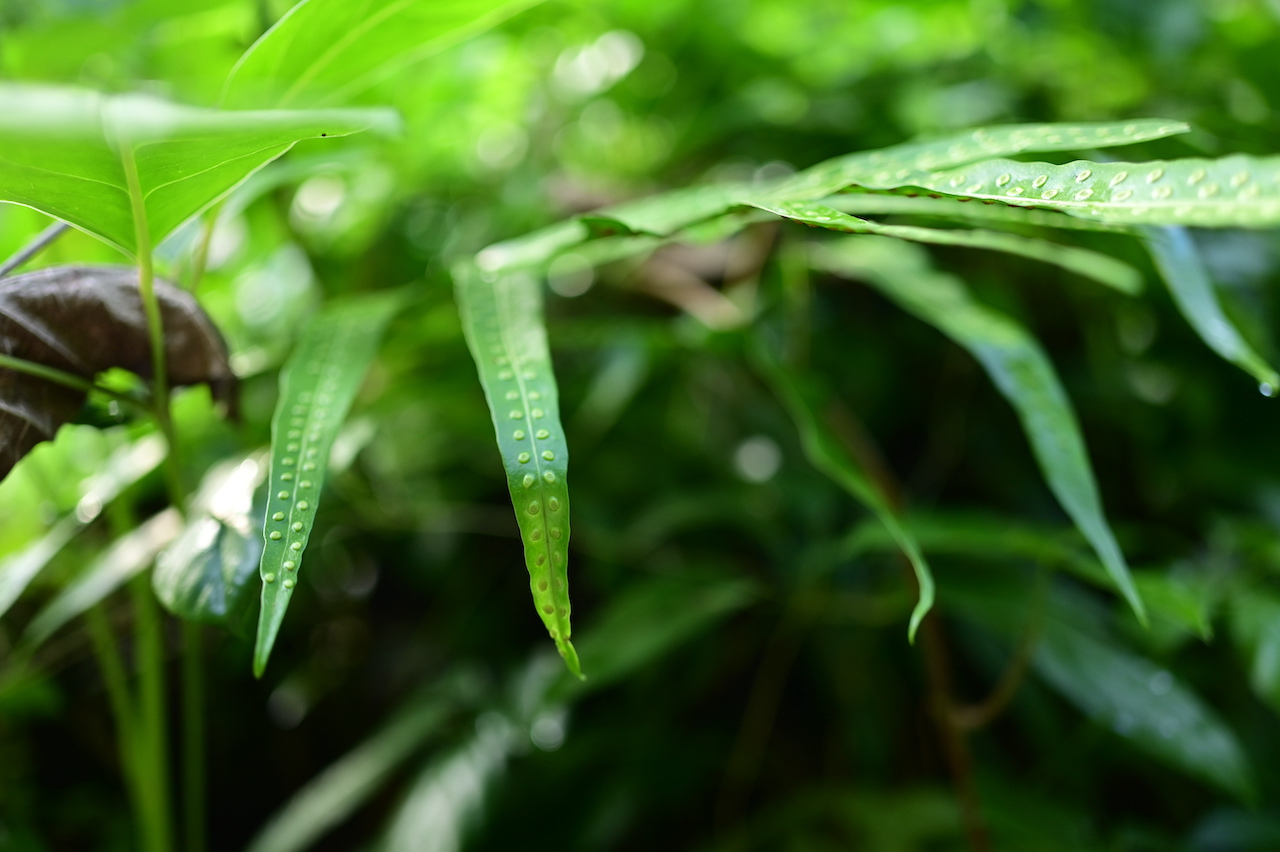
1090,264
206,574
502,319
1016,364
1183,270
65,152
317,386
324,52
83,321
1236,191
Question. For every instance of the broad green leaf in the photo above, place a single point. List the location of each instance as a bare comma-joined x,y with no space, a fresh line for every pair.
1184,272
1013,360
1090,264
805,404
205,575
332,796
502,319
69,153
125,467
882,168
323,52
1235,191
127,556
317,386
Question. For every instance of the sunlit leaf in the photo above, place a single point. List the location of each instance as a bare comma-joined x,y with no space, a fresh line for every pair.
129,555
68,153
1235,191
317,386
125,467
1018,367
502,318
1193,291
323,52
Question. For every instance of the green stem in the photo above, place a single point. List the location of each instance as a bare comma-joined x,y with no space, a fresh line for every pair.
193,737
153,738
107,650
201,257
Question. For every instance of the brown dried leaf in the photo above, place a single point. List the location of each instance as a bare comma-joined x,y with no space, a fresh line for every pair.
85,320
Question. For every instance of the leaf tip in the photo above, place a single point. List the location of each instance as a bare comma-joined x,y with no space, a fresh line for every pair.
571,658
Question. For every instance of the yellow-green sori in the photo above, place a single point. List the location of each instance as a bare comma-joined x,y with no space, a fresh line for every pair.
502,318
317,386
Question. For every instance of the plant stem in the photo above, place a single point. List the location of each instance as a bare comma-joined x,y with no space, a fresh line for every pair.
153,738
34,247
107,651
61,377
193,738
155,323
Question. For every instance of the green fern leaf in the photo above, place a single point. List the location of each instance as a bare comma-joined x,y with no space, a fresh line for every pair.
502,319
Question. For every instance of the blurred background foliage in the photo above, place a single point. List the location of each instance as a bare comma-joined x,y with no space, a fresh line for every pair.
743,625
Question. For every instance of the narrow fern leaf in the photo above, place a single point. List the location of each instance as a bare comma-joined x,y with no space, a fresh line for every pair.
803,402
1236,191
1089,264
317,387
1016,364
885,166
502,319
1184,272
962,210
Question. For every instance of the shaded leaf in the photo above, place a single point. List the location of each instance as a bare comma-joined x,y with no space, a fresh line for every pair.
83,321
1255,629
1235,191
804,401
127,556
67,152
333,795
1016,364
317,386
324,52
502,318
1184,272
205,575
1090,264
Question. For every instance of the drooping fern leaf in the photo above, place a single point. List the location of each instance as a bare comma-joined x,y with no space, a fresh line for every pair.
502,319
317,387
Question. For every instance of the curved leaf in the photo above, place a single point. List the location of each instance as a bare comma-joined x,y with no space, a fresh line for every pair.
82,321
502,318
898,163
127,556
1017,366
317,387
1089,264
326,51
63,152
205,574
825,452
1235,191
1183,270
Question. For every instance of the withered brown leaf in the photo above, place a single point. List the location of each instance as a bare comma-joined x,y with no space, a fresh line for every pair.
85,320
